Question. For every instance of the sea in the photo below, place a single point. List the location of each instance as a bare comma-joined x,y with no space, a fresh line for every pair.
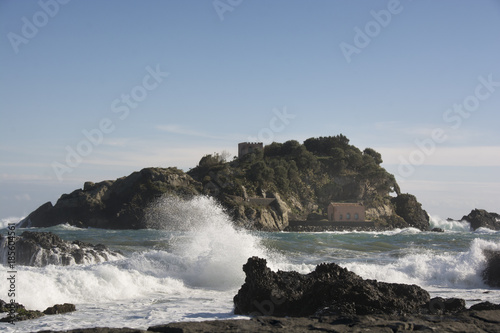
190,267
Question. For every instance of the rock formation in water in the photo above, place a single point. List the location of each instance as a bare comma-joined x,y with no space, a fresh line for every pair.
480,218
491,273
17,312
45,248
329,289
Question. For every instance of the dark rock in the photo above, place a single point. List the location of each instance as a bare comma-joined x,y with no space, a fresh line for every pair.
22,314
6,307
45,248
440,305
330,289
467,321
60,308
480,218
407,206
117,204
437,230
485,306
491,274
18,312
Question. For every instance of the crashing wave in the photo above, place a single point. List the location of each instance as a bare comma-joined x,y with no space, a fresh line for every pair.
45,248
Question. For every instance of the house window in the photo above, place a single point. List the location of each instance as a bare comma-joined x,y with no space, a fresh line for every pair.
348,216
340,217
356,216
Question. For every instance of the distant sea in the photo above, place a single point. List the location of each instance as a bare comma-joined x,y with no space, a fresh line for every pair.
191,268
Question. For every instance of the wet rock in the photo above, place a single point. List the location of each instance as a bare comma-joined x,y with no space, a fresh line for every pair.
411,211
45,248
17,312
485,306
60,308
330,289
491,274
467,321
440,305
437,230
480,218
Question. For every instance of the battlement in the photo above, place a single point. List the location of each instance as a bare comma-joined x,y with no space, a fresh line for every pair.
248,148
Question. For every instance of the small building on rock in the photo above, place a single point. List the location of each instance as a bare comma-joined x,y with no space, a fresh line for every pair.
346,212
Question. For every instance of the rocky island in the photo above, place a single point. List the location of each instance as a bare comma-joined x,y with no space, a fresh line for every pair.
261,189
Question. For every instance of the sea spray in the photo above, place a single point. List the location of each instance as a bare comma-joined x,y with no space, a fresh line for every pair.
209,250
449,225
427,268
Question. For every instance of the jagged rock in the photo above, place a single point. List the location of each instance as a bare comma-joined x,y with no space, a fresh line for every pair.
411,211
45,248
480,218
437,230
491,274
117,204
330,289
60,308
440,305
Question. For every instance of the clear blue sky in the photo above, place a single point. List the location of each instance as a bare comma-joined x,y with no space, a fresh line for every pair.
161,83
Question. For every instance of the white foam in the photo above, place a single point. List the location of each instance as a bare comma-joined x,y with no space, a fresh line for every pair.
4,222
210,251
40,287
449,225
427,268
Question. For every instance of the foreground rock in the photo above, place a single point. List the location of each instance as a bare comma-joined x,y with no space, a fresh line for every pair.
466,321
330,289
480,218
470,321
491,274
45,248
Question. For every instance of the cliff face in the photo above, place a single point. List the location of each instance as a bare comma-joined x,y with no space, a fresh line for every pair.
307,178
118,204
261,191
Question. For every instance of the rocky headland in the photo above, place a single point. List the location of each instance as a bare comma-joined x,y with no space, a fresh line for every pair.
262,190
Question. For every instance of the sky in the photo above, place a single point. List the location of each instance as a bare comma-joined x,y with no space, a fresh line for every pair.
95,90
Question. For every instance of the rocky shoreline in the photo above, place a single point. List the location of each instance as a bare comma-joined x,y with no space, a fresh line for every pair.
466,321
331,299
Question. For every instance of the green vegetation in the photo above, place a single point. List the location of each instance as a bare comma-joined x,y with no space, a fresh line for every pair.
307,176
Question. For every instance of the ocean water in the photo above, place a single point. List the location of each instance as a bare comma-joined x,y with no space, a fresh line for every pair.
190,268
